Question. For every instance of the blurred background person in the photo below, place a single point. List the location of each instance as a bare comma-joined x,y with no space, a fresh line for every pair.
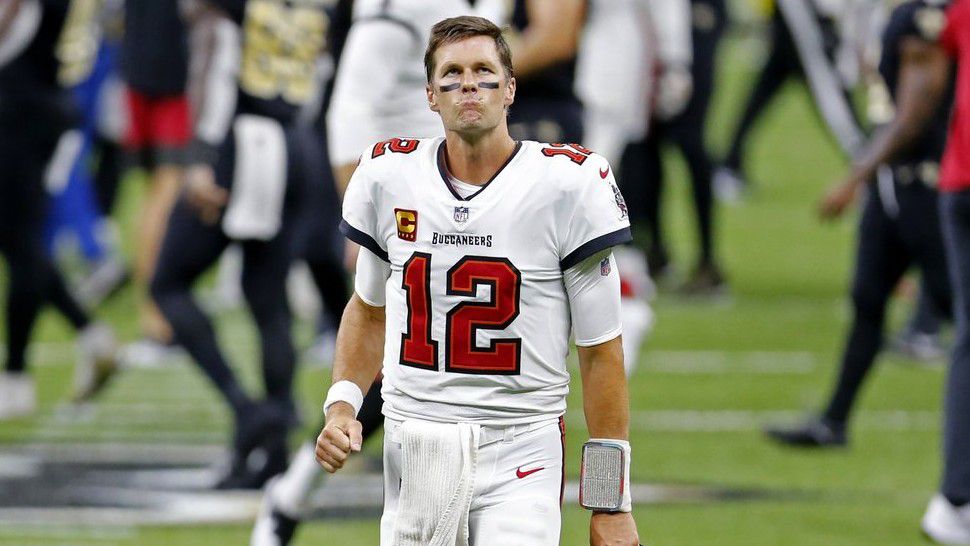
154,57
78,234
684,91
947,517
254,66
46,47
900,227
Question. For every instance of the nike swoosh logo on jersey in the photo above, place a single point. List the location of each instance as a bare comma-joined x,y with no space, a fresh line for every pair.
519,473
605,172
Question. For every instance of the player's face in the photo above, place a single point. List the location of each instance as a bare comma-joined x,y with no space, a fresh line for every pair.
469,87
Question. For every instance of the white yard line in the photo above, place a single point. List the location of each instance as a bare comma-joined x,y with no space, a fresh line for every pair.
746,421
730,362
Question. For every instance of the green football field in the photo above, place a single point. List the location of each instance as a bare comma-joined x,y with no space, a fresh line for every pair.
711,375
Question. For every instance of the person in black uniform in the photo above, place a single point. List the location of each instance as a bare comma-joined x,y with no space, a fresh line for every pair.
36,108
900,224
546,106
246,181
642,166
803,43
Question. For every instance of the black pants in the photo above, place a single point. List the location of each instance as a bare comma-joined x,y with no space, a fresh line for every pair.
26,145
642,175
190,247
955,215
887,247
323,244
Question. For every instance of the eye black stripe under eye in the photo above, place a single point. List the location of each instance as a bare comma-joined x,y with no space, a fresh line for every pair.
488,85
449,87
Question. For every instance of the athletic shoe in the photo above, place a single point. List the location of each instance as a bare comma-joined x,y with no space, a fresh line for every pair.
919,346
812,434
946,524
729,185
273,527
259,449
706,281
18,396
97,360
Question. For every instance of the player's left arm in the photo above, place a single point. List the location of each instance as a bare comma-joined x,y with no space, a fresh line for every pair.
923,76
593,288
607,408
552,35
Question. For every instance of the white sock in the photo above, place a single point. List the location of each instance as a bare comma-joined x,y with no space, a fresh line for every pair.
291,491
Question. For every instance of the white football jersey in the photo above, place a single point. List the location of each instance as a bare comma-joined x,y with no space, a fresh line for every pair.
478,317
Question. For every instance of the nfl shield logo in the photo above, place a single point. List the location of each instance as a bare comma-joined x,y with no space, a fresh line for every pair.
605,267
461,214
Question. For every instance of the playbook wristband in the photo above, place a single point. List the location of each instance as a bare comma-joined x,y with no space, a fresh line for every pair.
604,482
344,391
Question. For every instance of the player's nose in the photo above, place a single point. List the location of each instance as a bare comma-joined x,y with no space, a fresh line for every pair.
468,81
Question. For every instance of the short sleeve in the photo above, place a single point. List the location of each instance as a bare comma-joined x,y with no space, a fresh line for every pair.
599,218
593,288
359,223
370,280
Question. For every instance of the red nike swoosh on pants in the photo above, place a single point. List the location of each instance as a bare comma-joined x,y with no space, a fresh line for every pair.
519,473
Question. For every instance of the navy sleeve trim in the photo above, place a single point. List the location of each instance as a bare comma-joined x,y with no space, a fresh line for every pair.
589,248
412,30
363,240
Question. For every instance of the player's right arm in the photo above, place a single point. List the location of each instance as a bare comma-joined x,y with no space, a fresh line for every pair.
360,349
360,338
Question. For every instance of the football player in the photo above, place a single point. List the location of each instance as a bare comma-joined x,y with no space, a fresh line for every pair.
900,225
480,255
254,69
367,105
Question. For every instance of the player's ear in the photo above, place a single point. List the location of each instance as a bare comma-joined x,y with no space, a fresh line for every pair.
510,92
432,101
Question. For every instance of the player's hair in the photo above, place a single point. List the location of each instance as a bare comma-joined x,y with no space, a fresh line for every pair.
457,29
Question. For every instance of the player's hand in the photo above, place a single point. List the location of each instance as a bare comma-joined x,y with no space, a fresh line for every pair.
613,529
837,199
202,192
340,437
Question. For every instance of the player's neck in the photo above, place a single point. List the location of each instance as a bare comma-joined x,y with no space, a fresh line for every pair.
477,161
